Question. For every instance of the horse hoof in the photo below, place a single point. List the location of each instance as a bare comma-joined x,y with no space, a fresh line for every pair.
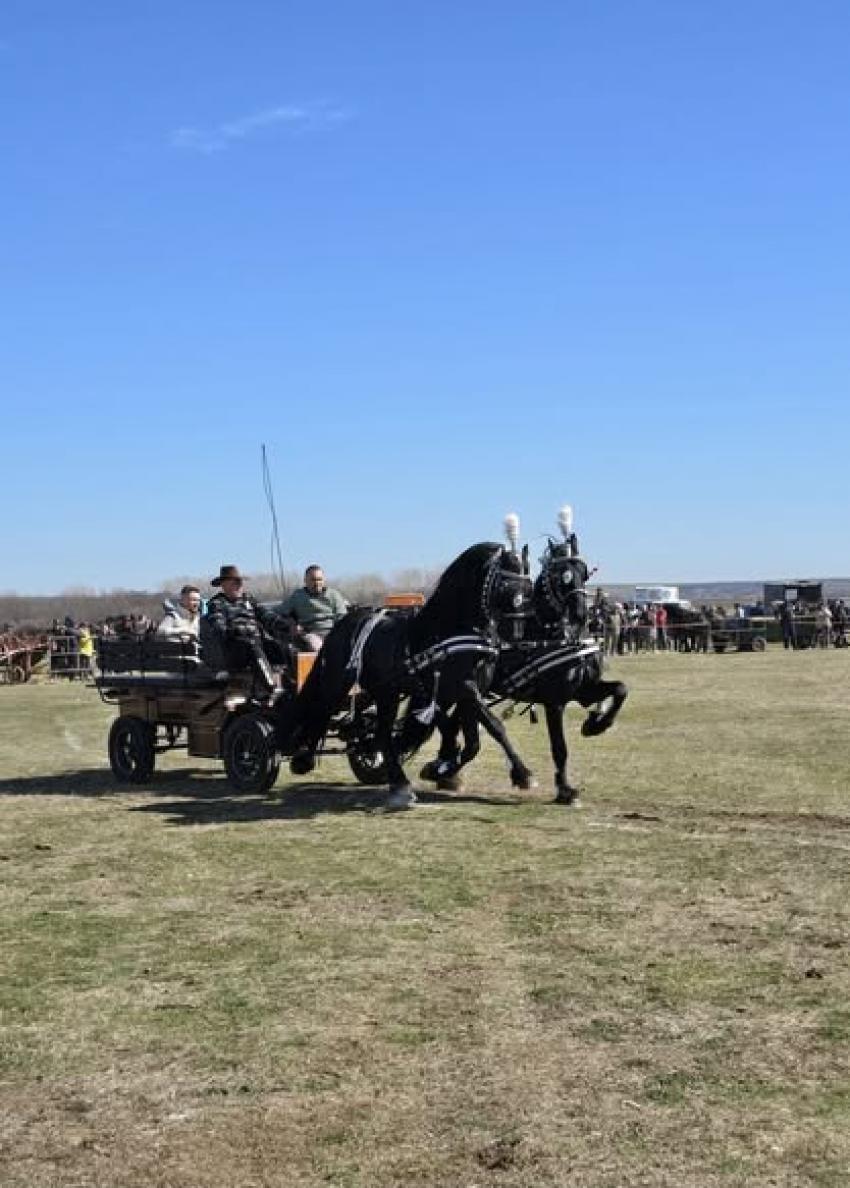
450,784
525,783
301,764
592,725
400,798
567,795
430,771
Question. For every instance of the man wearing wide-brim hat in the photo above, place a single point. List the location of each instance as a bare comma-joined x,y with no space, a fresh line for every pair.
233,628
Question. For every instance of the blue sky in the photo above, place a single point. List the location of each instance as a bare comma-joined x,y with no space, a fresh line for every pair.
447,260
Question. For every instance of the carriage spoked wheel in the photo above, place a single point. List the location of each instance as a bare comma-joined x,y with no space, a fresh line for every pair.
250,756
132,752
367,765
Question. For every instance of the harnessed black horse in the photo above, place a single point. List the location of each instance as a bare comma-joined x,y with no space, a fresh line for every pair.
688,629
439,658
549,665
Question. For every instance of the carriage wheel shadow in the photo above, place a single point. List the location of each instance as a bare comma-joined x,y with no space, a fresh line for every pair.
298,802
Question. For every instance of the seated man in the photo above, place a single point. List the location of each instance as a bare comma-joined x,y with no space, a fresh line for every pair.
231,630
314,607
182,621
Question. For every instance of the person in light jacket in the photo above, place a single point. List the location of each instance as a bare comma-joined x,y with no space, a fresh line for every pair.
182,620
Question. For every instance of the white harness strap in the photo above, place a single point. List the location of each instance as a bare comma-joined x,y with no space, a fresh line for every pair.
436,655
453,646
556,659
355,660
427,713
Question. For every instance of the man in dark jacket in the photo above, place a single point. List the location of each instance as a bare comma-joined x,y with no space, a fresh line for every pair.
231,630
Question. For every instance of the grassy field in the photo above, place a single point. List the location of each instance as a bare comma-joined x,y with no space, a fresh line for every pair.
201,991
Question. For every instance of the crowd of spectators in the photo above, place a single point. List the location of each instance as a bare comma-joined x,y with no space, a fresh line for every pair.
821,625
626,627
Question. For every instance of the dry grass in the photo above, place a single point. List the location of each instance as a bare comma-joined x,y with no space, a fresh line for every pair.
200,991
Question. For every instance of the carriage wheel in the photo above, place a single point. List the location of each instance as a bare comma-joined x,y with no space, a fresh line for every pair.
131,750
369,767
250,754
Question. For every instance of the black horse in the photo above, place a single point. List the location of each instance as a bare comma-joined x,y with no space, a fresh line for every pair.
688,629
438,658
551,666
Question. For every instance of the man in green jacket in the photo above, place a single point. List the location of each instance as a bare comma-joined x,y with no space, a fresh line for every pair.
315,607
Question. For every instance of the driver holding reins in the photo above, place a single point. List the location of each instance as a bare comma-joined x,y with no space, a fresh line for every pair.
232,627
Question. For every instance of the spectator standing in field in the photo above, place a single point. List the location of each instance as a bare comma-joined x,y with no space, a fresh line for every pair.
661,628
184,619
634,628
315,607
647,630
85,649
613,627
823,625
786,620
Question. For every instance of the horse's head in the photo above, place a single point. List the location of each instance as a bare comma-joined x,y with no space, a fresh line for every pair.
559,592
513,598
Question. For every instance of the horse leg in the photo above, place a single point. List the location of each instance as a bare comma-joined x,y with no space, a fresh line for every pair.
444,768
565,792
521,776
401,794
601,719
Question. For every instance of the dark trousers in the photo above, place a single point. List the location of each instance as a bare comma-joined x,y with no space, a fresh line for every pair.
247,655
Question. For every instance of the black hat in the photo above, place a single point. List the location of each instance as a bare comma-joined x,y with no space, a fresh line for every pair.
227,571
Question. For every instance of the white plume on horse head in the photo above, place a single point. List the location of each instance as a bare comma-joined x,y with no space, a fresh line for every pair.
512,529
565,520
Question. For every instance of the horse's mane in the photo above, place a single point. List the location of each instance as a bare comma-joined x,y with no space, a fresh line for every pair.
457,603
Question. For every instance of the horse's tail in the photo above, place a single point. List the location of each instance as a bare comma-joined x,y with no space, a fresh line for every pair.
303,721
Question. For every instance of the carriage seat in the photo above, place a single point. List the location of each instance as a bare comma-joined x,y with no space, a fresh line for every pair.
154,659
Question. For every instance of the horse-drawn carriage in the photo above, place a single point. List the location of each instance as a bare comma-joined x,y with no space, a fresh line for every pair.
169,699
383,682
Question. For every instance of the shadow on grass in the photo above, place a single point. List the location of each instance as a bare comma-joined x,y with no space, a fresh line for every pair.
207,798
98,781
298,802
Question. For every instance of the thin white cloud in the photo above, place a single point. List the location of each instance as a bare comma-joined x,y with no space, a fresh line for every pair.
303,118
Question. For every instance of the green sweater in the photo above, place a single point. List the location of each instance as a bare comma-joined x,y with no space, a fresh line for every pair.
314,612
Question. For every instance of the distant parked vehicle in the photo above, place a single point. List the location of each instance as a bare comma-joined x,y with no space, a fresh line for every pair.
739,635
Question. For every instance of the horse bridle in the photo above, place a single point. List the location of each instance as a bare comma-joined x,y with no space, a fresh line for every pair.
488,586
552,583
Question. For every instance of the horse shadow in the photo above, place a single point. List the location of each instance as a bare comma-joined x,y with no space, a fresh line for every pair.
300,802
